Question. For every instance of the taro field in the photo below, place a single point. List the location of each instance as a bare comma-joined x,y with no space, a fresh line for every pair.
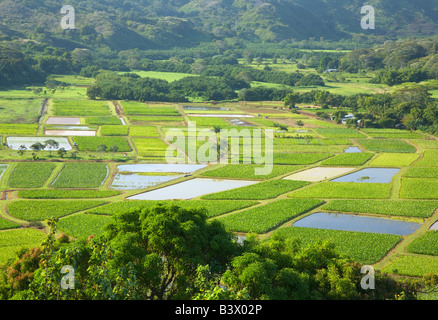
373,193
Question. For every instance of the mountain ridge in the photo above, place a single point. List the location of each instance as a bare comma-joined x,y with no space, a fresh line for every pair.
153,24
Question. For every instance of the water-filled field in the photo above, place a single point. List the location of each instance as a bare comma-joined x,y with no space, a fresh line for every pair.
16,142
366,190
191,189
346,222
319,174
369,175
137,181
64,120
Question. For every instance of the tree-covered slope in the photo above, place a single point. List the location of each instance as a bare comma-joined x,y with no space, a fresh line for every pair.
147,24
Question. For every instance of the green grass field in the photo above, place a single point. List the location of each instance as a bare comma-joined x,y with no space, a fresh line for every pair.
263,190
6,224
393,134
143,109
13,241
348,159
264,218
117,130
18,129
387,145
81,175
299,158
81,108
20,110
83,225
30,175
39,210
344,190
66,194
168,76
415,266
101,121
142,131
240,171
76,187
429,159
93,143
394,160
416,188
426,244
150,148
339,133
417,172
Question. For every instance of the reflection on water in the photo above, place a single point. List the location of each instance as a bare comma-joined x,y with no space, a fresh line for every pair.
138,181
205,108
346,222
353,150
15,142
209,115
150,168
191,189
70,128
241,123
70,133
370,175
63,120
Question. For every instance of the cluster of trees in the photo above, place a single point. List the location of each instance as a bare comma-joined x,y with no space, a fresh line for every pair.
16,69
111,86
49,145
209,88
166,252
263,94
393,77
397,62
411,106
128,86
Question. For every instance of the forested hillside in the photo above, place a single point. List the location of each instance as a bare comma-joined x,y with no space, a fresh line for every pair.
148,24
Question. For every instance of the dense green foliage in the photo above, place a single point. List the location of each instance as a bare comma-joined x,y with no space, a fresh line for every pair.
132,259
136,61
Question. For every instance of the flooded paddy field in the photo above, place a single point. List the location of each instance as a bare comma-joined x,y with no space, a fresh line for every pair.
347,222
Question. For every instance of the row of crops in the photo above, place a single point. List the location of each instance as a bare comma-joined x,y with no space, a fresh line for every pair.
38,190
